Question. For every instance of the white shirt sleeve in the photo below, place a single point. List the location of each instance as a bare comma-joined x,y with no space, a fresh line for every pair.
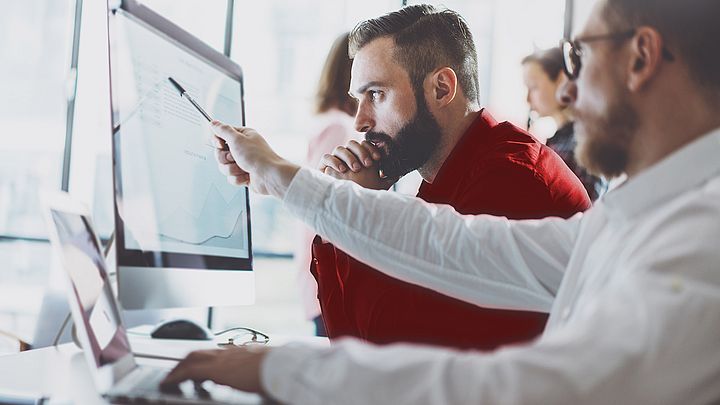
485,260
623,347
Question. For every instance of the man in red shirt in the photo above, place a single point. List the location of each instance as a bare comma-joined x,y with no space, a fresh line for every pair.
417,90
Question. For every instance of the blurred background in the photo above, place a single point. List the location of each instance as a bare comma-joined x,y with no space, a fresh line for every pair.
55,120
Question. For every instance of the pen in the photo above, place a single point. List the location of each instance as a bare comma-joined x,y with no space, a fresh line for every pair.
185,94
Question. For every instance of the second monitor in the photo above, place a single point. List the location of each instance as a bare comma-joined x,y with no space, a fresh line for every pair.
182,232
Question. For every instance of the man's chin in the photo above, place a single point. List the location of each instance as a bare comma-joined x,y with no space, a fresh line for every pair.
601,157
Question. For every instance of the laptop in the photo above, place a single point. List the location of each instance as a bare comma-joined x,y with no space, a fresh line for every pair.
99,325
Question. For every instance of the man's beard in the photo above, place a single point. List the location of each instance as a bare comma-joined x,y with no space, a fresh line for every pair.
603,143
413,145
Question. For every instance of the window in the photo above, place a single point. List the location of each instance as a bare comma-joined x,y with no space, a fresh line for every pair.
281,46
505,31
32,112
32,120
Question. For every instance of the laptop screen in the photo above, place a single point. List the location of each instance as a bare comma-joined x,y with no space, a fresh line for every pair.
84,263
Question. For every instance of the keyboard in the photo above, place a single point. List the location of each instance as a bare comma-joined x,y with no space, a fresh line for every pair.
142,386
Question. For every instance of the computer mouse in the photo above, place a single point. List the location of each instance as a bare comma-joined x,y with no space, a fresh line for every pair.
181,329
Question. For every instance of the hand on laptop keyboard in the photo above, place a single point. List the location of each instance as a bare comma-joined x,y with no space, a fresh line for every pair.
237,367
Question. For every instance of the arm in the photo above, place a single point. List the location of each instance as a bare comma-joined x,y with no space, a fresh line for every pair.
646,336
485,260
625,348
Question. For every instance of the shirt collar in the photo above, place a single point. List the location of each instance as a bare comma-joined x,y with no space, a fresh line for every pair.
461,156
681,171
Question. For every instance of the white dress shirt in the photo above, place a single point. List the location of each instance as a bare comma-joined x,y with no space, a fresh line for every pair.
632,286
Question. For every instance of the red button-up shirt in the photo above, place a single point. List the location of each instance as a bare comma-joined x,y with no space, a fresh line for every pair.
496,168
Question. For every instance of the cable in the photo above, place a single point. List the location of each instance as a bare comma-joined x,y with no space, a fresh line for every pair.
62,329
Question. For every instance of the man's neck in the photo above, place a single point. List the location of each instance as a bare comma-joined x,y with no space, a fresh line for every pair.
663,134
453,130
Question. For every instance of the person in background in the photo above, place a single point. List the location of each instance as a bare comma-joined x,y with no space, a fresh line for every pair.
543,75
335,110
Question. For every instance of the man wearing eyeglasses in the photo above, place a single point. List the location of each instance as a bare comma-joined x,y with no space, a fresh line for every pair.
635,280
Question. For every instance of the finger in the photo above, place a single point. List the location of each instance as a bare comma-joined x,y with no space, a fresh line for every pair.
217,142
225,131
362,152
182,370
334,163
374,150
224,157
240,180
231,170
348,157
197,372
333,173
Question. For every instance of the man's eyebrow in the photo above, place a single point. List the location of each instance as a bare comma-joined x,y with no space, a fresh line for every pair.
364,88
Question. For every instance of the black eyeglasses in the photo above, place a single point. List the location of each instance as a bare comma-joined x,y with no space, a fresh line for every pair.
246,337
572,50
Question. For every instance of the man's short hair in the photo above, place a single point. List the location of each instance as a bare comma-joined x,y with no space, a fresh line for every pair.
690,29
426,38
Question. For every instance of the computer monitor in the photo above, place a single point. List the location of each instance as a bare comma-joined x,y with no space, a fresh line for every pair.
182,233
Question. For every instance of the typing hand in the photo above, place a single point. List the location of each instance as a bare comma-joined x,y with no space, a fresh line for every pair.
236,367
358,162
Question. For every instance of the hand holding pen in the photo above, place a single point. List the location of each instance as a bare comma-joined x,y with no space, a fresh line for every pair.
187,96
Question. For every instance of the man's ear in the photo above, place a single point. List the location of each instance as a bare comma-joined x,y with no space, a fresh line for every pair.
443,87
646,53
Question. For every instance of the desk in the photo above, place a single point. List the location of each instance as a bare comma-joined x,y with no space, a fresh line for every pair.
61,373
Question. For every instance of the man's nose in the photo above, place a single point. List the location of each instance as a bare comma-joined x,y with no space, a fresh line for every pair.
363,119
567,93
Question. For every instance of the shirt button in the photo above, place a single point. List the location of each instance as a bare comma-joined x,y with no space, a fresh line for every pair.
677,285
565,313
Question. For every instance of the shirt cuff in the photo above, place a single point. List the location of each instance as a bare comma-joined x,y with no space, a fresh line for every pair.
306,193
281,373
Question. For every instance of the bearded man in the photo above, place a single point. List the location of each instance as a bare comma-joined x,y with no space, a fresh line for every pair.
415,77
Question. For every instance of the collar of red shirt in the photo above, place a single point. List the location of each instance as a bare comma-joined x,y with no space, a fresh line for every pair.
462,156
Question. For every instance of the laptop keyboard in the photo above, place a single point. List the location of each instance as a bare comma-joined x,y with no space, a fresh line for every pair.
142,386
147,380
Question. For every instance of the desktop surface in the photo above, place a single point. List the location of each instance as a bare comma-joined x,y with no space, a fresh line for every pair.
60,374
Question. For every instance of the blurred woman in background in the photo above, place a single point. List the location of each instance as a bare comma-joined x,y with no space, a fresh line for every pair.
335,114
543,75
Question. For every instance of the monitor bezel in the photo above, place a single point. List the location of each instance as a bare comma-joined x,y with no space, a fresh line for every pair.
158,259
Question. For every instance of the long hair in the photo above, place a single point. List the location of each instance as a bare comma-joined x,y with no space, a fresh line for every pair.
332,91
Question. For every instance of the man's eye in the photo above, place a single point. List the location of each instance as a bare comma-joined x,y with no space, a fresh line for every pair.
375,95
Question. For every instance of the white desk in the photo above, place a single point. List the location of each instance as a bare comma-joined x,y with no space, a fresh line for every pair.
61,373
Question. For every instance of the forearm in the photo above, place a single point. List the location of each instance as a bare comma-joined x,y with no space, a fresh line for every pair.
484,260
276,177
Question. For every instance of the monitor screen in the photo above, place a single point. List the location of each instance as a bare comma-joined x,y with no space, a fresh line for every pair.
173,206
84,263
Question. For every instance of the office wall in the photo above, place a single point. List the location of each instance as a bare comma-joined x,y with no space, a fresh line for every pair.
581,11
